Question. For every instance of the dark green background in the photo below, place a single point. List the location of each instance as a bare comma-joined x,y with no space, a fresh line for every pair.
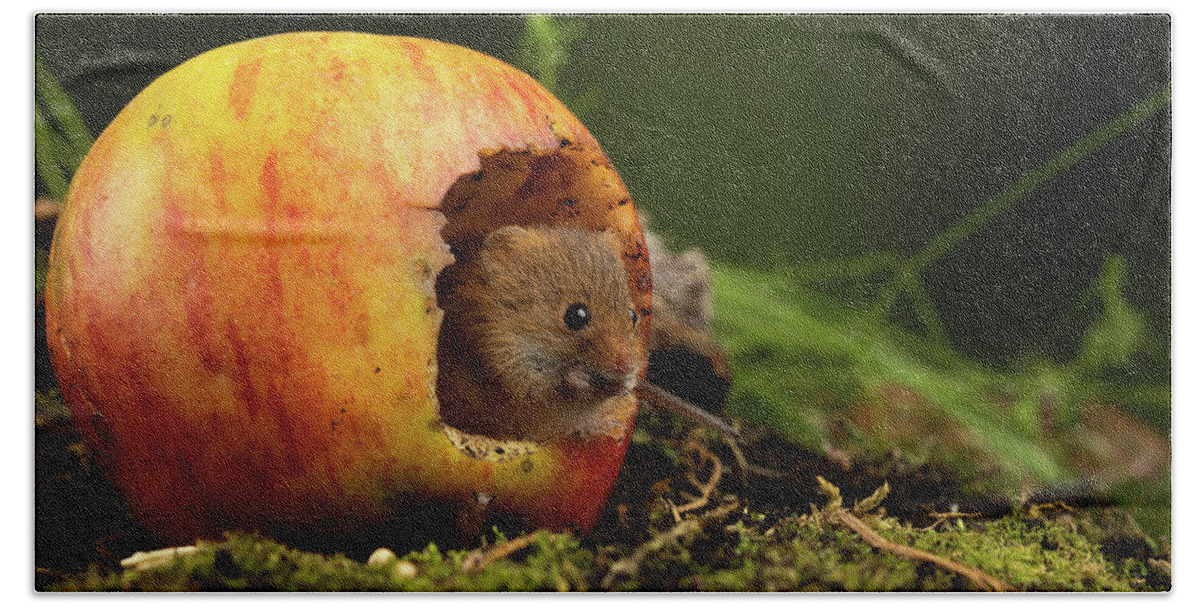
778,141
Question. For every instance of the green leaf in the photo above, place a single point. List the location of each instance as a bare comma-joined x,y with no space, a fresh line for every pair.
49,148
63,112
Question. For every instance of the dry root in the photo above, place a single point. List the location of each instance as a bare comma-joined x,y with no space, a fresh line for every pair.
837,515
700,458
629,566
481,557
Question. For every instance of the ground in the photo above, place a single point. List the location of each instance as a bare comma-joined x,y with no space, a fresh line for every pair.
685,515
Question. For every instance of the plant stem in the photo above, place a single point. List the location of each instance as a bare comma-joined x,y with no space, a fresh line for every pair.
1018,190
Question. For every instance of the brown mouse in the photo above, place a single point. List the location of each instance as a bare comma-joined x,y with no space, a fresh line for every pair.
540,335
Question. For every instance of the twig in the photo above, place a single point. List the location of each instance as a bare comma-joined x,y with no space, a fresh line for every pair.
976,576
1160,564
941,518
631,564
743,464
103,550
144,560
1036,510
762,471
477,559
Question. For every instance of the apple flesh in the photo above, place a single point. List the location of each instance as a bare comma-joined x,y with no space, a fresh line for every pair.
240,299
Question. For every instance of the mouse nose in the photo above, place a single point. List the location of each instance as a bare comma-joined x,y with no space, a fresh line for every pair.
610,381
597,384
611,384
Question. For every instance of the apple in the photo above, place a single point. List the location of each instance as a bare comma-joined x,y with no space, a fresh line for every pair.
240,299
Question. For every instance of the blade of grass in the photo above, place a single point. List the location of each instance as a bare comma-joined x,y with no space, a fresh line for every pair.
47,147
1018,190
62,112
854,267
925,309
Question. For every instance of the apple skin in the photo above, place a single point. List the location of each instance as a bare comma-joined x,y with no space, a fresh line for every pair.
239,302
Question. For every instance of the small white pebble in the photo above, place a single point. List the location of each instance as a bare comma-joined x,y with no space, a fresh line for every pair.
380,557
404,570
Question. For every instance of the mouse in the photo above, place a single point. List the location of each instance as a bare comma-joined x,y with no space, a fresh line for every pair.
539,334
540,337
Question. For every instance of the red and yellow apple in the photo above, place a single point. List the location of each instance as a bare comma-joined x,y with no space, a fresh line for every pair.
240,302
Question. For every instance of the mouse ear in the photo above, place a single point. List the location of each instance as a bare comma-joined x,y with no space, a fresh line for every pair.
505,239
504,246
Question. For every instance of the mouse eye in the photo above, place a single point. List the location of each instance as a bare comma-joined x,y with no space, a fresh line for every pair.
633,316
578,316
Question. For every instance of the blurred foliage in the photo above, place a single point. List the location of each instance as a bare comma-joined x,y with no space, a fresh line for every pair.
826,374
829,377
905,276
1119,333
61,140
970,151
543,49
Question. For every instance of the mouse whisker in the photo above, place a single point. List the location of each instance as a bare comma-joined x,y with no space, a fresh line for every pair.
662,398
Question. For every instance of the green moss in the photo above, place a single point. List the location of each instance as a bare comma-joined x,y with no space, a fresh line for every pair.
247,562
746,553
804,555
1030,556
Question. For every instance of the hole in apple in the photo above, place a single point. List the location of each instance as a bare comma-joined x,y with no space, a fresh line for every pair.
574,186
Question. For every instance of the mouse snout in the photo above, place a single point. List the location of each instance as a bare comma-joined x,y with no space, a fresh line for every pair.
602,382
606,367
611,384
